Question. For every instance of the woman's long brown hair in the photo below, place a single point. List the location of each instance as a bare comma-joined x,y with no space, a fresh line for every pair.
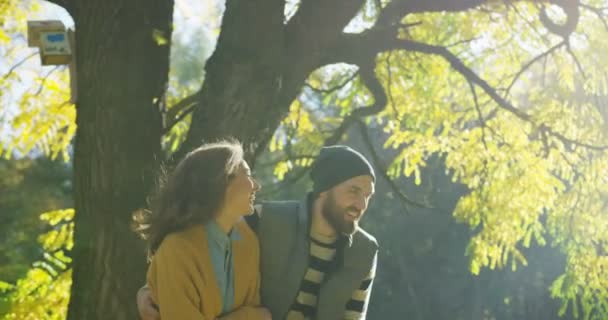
192,194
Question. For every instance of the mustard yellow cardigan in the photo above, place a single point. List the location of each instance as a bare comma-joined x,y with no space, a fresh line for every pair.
182,279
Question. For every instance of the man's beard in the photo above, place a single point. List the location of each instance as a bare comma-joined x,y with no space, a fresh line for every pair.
336,216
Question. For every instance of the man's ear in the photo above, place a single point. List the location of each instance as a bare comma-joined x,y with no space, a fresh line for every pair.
323,195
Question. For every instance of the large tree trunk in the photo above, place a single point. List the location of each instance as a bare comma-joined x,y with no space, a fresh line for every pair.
243,78
259,65
122,72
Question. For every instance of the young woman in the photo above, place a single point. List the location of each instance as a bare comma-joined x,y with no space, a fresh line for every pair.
204,258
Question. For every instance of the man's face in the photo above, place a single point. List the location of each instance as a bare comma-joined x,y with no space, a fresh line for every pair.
345,204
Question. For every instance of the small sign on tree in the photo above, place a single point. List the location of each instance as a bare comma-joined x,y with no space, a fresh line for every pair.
56,46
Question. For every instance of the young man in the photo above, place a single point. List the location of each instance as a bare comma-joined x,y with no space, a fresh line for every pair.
315,261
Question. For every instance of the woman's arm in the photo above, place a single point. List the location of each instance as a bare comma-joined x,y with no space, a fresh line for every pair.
172,276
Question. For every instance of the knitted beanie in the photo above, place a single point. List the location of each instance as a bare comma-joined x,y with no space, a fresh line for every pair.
336,164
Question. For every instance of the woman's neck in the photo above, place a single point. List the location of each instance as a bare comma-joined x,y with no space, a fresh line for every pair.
225,221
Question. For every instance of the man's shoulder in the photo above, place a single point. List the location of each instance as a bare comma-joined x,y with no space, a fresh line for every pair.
362,237
270,212
245,230
362,252
277,207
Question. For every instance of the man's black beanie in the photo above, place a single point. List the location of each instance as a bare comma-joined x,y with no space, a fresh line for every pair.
336,164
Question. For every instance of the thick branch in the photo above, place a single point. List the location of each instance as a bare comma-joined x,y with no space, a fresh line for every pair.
397,9
243,77
319,21
315,26
571,7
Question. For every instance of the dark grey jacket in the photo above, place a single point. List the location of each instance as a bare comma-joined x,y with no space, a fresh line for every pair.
283,231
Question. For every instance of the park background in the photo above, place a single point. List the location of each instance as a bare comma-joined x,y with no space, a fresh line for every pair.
485,120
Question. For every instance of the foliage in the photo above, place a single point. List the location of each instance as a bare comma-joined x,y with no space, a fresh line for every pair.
49,182
44,292
39,116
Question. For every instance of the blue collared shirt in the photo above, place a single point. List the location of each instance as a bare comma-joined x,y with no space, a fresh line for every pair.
220,249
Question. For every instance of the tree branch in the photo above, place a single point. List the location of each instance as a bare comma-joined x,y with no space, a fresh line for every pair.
336,87
531,62
17,65
567,140
576,61
571,8
394,12
479,114
321,19
531,26
289,157
465,41
389,79
465,71
179,111
314,27
291,178
366,71
45,77
382,168
459,66
397,9
355,48
598,12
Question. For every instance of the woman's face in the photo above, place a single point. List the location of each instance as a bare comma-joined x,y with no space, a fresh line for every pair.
240,195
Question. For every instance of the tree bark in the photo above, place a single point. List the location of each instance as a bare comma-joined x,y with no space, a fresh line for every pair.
259,66
122,71
243,78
